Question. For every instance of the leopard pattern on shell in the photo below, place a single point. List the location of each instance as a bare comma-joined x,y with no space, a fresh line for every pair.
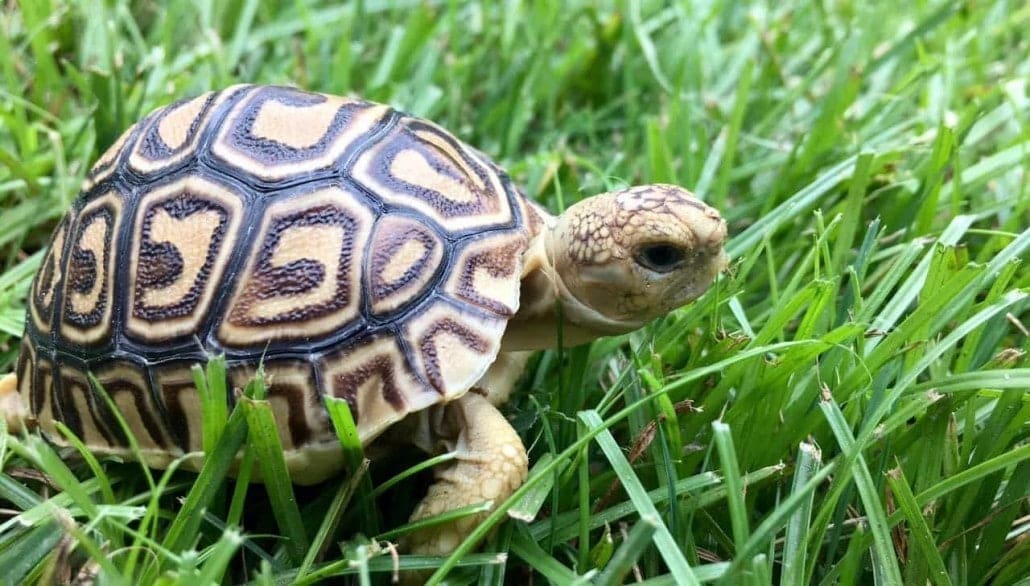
352,250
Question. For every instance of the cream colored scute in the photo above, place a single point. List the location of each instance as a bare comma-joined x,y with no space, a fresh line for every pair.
452,347
298,127
287,125
456,372
175,385
403,260
322,244
460,204
173,129
112,379
412,167
54,256
193,237
488,273
55,261
292,374
452,156
45,415
77,395
92,237
175,126
371,364
405,256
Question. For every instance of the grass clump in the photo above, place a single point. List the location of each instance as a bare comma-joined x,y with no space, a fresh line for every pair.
849,404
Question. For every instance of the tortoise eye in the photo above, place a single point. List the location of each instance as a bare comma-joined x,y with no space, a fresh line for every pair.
660,258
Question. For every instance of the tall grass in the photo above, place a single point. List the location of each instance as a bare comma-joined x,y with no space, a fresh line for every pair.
850,404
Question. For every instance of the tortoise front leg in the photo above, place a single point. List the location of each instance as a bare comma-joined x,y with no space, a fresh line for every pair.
491,464
12,408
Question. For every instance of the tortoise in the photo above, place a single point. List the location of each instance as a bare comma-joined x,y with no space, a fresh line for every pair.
354,251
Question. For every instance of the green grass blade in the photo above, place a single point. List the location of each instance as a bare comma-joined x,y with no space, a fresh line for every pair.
663,540
354,457
220,555
263,438
211,387
527,549
639,537
794,546
925,545
885,557
734,486
320,543
529,506
217,464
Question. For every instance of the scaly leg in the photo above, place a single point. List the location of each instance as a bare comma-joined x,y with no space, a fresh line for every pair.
491,464
11,406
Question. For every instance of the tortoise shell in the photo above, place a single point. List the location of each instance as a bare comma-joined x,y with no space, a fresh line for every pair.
351,249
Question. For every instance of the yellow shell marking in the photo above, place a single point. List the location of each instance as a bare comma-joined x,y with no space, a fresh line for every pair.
301,279
410,253
374,377
296,126
300,243
278,133
86,317
411,166
175,127
77,394
419,166
193,224
93,239
45,413
191,236
48,280
56,248
454,348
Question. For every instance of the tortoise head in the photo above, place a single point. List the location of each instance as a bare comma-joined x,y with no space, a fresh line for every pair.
626,257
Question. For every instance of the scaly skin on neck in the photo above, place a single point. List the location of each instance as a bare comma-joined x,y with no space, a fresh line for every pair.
535,326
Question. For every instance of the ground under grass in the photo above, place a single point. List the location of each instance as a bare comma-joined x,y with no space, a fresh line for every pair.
850,404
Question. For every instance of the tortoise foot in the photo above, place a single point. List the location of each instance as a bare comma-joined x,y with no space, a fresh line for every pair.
11,406
491,464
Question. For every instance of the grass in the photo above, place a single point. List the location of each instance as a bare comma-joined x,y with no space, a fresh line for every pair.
850,404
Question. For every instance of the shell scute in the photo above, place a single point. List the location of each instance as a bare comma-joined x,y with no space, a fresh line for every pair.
183,236
282,134
301,279
88,291
418,165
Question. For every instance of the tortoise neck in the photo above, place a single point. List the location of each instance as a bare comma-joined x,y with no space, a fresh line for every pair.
543,295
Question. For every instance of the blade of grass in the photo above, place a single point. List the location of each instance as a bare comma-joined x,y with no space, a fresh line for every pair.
663,540
638,539
527,549
925,545
320,543
217,464
263,438
354,457
794,547
885,557
219,556
734,486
